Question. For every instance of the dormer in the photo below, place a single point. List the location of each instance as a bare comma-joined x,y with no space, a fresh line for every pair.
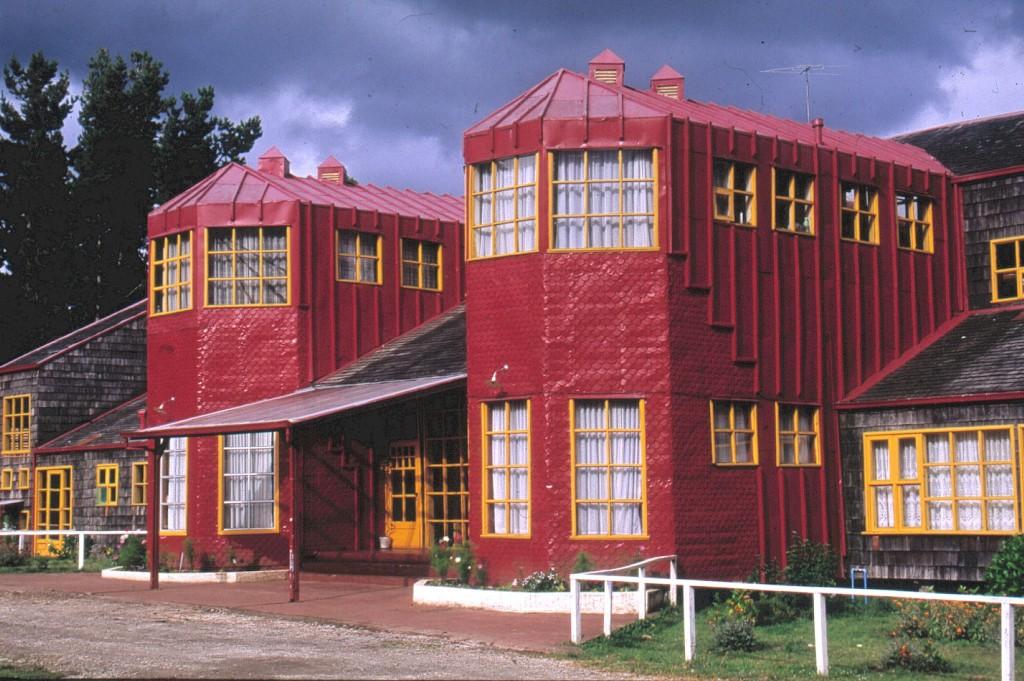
331,170
608,67
668,82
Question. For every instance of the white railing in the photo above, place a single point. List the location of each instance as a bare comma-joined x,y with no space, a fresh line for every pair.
81,534
608,577
817,594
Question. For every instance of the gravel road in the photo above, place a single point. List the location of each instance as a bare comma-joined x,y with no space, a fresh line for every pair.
90,636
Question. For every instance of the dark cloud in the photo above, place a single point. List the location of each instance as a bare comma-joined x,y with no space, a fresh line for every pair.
389,86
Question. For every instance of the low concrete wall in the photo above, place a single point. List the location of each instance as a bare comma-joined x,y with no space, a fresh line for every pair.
623,602
198,577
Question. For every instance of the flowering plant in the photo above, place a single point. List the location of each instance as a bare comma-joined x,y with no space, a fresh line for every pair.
446,553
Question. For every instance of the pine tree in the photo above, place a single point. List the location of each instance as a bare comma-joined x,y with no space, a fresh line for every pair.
194,144
115,162
36,255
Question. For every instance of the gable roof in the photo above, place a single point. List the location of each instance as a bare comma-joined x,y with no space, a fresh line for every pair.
435,348
59,346
979,354
566,95
103,432
239,184
974,146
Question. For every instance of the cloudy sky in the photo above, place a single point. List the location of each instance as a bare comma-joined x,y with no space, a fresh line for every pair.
389,86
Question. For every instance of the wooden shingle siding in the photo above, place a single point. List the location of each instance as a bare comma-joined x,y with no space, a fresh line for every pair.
993,209
923,557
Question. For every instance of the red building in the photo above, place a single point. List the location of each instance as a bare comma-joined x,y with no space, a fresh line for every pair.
664,301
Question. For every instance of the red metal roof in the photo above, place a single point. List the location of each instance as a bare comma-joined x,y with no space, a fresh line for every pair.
308,404
568,95
239,184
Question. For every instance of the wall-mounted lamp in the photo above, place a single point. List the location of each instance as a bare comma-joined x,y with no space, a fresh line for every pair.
494,376
160,407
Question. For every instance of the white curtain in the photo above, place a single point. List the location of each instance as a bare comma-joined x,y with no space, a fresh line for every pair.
880,459
908,459
638,197
249,481
519,471
172,485
591,471
527,203
940,515
883,506
911,505
999,481
504,206
569,199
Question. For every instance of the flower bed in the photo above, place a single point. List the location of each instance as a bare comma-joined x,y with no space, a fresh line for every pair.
623,602
197,577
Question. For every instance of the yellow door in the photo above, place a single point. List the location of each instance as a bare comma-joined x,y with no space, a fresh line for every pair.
402,496
53,506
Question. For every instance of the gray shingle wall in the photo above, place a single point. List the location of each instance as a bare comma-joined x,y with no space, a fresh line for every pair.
914,557
993,209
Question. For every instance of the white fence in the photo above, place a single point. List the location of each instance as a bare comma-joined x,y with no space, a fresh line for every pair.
688,586
81,534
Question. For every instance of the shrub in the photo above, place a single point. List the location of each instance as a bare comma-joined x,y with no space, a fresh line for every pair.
441,558
68,549
10,556
583,563
916,657
734,635
543,581
462,557
946,621
1005,574
188,551
481,574
133,554
809,563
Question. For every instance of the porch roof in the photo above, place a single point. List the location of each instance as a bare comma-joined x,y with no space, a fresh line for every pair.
308,404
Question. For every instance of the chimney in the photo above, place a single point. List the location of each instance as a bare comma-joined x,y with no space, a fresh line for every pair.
668,82
331,171
819,125
274,162
608,67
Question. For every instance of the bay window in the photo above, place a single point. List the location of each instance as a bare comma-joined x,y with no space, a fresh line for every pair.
503,208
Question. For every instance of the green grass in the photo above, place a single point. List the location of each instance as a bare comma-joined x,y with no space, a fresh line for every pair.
8,671
858,642
37,564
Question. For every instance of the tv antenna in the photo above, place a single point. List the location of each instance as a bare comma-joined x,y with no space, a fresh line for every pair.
805,70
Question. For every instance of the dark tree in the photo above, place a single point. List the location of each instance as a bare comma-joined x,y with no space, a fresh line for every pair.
115,162
194,144
35,250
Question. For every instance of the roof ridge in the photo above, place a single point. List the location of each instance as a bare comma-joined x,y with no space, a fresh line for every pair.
973,121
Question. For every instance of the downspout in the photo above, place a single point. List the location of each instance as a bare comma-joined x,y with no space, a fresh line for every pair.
295,505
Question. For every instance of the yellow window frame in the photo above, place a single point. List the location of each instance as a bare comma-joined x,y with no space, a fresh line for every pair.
506,434
732,431
25,520
729,191
857,212
472,226
897,482
358,257
421,265
17,424
784,191
586,215
106,484
791,427
140,482
220,492
1016,270
234,279
611,500
24,478
915,223
160,288
7,479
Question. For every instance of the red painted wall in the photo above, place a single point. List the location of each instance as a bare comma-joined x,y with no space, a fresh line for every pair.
721,312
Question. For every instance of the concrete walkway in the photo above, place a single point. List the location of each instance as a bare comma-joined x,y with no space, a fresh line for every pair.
336,599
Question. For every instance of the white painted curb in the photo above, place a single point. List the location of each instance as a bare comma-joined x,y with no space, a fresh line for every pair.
623,602
197,577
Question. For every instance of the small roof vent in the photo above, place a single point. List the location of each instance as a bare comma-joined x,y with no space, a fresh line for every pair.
608,67
668,82
331,170
274,162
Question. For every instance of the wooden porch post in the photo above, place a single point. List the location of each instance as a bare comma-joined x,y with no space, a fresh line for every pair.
295,534
153,454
